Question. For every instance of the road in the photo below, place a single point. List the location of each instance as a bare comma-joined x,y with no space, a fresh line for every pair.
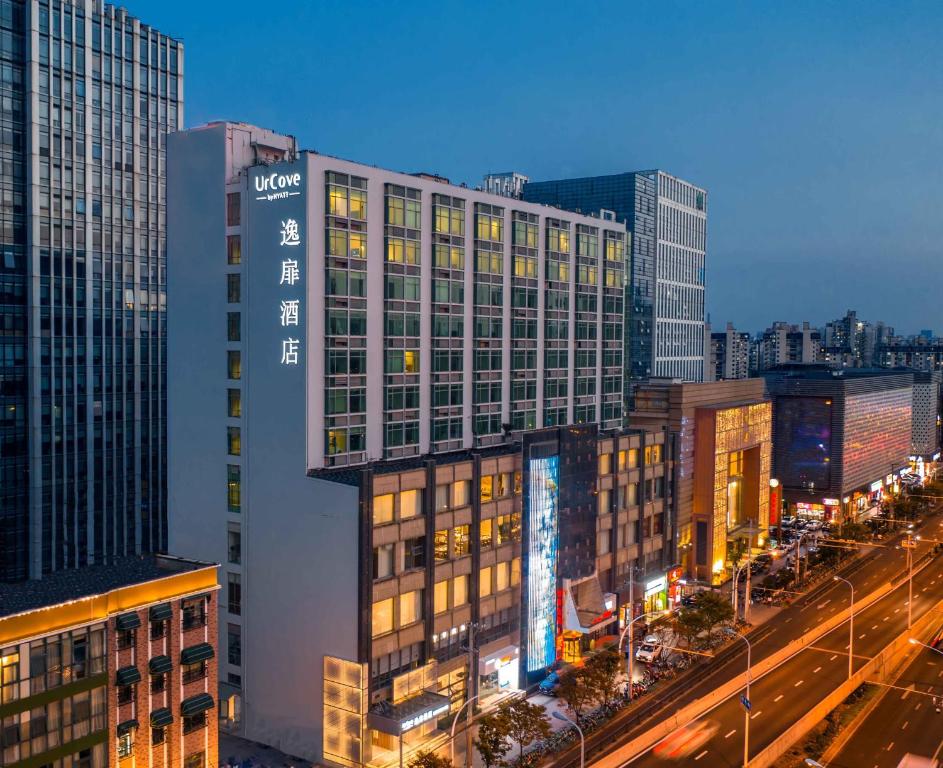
904,720
781,697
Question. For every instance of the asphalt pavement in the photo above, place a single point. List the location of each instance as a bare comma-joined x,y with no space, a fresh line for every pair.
782,696
905,720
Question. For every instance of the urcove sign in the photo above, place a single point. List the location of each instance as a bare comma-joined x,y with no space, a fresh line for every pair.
278,186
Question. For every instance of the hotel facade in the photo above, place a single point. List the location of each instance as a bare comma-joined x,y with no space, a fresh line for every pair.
401,421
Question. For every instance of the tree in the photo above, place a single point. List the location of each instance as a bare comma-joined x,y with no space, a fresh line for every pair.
526,723
854,532
603,669
715,608
688,624
423,759
577,690
492,744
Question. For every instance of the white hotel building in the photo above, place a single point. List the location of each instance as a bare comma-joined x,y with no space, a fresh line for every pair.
380,382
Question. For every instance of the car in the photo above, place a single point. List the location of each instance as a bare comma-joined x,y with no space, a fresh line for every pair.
648,652
550,684
814,525
688,601
788,522
686,740
937,642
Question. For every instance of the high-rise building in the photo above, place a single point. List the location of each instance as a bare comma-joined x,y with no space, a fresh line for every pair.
854,343
89,94
729,355
664,307
784,343
401,423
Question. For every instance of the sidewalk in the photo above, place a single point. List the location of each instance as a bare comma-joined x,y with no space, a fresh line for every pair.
236,751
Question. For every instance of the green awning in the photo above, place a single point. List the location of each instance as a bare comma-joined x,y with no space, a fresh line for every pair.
161,718
196,704
196,653
127,676
127,621
161,612
159,665
126,726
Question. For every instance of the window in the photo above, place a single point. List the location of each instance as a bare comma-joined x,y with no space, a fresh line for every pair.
487,488
233,330
234,644
158,629
383,561
234,364
234,594
502,574
193,723
193,610
125,694
459,590
158,683
158,735
194,672
485,533
196,760
382,617
410,504
460,494
383,509
233,288
441,498
440,598
233,441
441,546
232,209
414,553
125,638
234,249
234,487
605,463
621,462
125,745
235,403
460,541
410,607
484,582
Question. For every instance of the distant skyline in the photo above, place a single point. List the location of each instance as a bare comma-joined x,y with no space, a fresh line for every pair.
817,128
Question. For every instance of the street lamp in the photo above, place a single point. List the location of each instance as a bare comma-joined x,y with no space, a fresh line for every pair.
915,641
628,626
910,544
454,723
560,716
851,625
746,711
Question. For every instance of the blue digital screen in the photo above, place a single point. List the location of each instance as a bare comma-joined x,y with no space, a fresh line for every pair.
543,496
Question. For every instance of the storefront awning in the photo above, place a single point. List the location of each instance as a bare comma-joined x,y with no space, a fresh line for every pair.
127,676
745,531
158,665
487,664
395,719
586,609
127,621
126,726
196,704
160,612
196,653
161,718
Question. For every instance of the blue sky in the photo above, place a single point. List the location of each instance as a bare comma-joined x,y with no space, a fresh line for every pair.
817,127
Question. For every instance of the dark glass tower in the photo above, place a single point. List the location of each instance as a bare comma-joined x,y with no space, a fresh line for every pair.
85,113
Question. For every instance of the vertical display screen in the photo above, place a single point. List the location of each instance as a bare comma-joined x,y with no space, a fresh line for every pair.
543,555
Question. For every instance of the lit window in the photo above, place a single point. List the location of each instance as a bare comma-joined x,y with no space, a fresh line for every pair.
484,582
460,493
410,504
441,597
486,533
410,607
411,361
487,488
502,576
383,561
460,543
383,509
441,546
459,591
382,617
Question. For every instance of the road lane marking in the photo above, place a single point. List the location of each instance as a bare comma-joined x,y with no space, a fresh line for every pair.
777,698
889,747
798,684
701,755
897,610
820,606
925,589
834,657
861,635
788,620
756,715
905,725
728,735
886,618
816,670
875,626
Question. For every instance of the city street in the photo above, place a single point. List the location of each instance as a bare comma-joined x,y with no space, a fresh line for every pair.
903,721
785,694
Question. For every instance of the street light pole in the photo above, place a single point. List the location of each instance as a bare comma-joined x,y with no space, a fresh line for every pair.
851,625
627,629
746,597
454,723
746,712
560,716
915,641
910,544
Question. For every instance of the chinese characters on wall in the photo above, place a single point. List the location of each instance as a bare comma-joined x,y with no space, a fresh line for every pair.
290,276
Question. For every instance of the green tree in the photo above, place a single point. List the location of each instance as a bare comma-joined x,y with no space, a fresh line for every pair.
492,743
854,532
423,759
688,624
578,691
715,608
603,669
526,723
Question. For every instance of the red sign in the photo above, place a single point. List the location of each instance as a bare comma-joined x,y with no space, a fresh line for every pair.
675,574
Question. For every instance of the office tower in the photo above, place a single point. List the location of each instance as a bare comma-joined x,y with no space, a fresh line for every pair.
729,355
667,218
400,431
89,94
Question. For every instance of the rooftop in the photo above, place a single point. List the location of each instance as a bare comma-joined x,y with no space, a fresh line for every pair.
65,586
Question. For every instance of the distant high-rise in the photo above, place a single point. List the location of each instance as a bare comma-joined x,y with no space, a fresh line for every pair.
785,343
728,356
664,307
88,95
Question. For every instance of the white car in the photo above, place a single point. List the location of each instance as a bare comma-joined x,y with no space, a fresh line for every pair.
648,652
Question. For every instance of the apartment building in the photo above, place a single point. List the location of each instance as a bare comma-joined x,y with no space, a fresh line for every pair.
398,451
728,354
783,343
89,94
111,665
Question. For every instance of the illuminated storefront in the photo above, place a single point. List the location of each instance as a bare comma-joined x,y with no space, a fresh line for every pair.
656,594
499,672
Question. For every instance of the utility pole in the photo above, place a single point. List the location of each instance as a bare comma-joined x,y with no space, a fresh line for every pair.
746,597
471,692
